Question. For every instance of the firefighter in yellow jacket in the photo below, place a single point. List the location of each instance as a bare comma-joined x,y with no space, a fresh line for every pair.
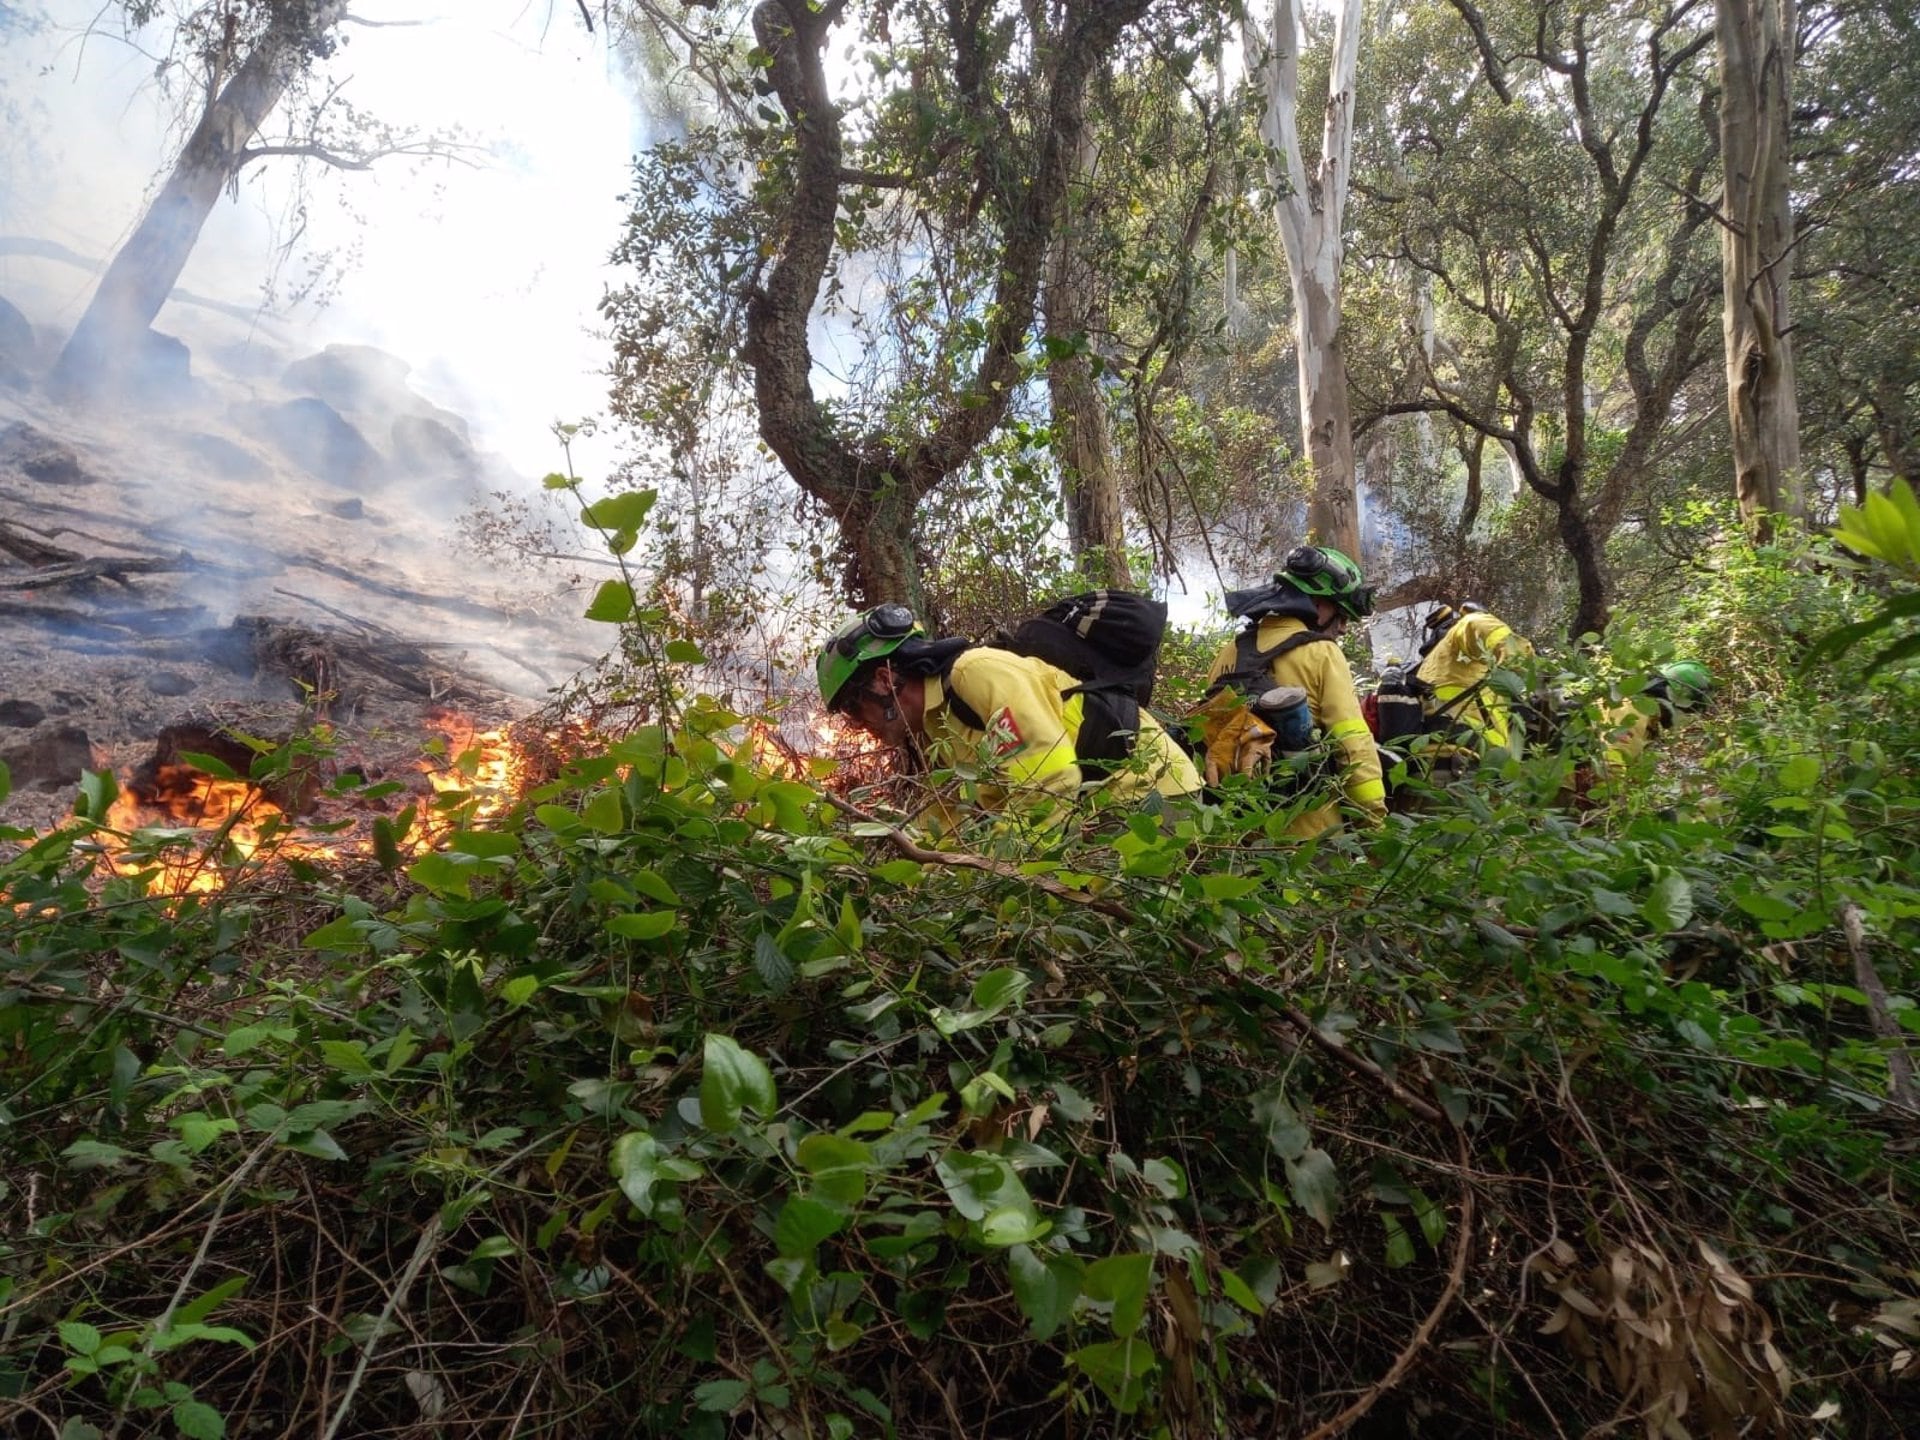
951,701
1297,622
1461,648
1628,726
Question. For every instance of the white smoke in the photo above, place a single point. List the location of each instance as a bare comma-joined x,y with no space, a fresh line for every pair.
484,278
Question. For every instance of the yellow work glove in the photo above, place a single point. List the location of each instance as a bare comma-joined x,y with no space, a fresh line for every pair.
1241,746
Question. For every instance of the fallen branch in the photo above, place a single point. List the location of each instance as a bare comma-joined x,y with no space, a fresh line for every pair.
1899,1063
396,1301
1403,1362
74,622
22,546
103,567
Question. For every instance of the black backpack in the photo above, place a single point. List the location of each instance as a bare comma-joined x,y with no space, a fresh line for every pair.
1104,638
1108,640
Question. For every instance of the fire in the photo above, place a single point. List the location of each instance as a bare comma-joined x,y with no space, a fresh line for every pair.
486,773
188,832
194,833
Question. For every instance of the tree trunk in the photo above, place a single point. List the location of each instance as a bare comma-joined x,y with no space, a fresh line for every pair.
1082,441
1756,59
1311,213
1595,608
144,270
872,481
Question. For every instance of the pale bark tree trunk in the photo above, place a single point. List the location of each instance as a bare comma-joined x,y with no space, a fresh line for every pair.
1083,443
1756,68
1311,213
1231,305
143,272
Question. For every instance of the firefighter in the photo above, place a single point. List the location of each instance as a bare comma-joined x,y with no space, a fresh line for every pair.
1460,647
1033,725
1291,639
1683,685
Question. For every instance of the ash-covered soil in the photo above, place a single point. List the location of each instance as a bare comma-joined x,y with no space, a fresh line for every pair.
258,541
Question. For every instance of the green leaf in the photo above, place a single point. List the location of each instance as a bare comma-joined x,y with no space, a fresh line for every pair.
1431,1216
1670,905
1124,1280
980,1183
79,1337
837,1166
98,791
619,513
1045,1287
771,964
1120,1368
349,1057
685,652
1228,887
1315,1185
803,1224
1399,1242
645,925
1240,1293
1167,1177
83,1154
486,844
197,1310
317,1143
1286,1131
442,876
613,603
640,1163
211,765
983,1092
198,1421
997,989
1012,1225
652,885
730,1080
6,781
717,1397
1800,773
604,814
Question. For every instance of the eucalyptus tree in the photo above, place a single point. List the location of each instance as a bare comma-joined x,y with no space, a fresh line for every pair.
1564,230
1756,43
1310,207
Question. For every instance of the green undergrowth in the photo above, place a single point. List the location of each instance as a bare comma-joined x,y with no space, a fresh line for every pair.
681,1103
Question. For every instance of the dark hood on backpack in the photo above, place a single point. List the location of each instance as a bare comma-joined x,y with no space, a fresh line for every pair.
1273,598
928,657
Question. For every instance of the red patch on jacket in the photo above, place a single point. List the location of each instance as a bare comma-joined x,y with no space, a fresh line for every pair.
1003,733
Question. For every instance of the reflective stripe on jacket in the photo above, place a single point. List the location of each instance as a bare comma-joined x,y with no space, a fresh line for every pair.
1322,671
1476,643
1031,729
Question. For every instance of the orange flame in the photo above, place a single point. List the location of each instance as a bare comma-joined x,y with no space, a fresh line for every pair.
191,833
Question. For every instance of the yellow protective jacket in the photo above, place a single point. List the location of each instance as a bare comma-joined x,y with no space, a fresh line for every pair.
1476,643
1321,670
1031,727
1625,730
